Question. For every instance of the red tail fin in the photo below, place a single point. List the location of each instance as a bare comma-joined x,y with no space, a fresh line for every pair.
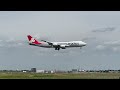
32,40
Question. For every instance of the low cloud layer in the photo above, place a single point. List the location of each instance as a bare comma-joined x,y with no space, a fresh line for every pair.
116,42
100,47
108,29
41,37
88,38
11,43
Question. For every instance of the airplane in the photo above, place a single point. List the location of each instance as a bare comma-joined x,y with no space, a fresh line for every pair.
56,45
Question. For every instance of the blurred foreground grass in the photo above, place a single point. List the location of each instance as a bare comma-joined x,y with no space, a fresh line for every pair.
84,75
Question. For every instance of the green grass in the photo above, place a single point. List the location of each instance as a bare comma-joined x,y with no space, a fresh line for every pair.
59,76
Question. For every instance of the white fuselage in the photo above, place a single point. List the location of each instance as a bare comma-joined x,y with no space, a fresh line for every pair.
66,44
56,45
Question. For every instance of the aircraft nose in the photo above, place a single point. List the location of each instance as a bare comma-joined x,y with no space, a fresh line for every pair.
84,43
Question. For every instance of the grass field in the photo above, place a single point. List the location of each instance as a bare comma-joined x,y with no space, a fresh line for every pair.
59,76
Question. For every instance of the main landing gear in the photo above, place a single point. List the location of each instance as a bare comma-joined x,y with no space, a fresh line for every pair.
57,48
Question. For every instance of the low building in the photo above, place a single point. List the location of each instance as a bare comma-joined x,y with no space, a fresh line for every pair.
33,69
40,71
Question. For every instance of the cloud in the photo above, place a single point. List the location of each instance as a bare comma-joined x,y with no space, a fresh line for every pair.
109,46
64,53
11,43
41,37
10,40
88,38
100,47
1,40
19,44
1,45
36,36
108,29
15,45
117,42
51,52
115,49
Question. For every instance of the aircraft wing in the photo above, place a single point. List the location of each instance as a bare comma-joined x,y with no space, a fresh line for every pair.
47,42
50,43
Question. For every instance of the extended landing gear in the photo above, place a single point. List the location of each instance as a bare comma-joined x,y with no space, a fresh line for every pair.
57,48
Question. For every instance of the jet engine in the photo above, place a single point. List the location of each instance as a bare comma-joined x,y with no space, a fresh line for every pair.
63,46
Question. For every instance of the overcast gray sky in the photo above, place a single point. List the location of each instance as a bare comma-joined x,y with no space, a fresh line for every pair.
99,29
